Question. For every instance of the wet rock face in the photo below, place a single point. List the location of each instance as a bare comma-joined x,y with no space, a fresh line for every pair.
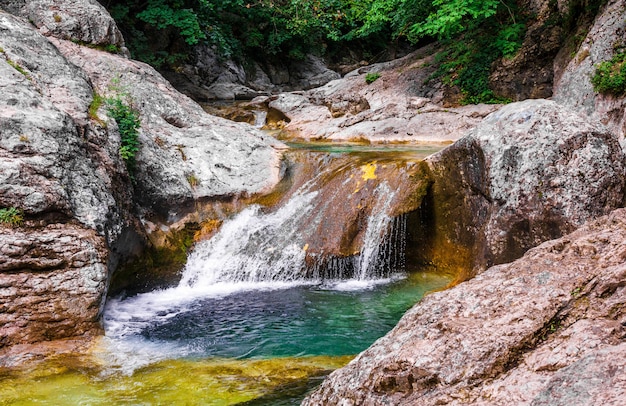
52,283
546,329
351,192
529,172
573,86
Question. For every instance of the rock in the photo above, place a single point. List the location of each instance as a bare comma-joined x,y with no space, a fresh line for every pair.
46,141
530,172
309,73
185,154
397,107
211,77
65,173
52,283
85,21
573,86
548,328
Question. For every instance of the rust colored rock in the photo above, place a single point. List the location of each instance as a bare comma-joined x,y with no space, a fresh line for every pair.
52,283
548,328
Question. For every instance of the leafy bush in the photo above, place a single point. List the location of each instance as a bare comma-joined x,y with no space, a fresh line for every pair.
610,76
467,60
11,216
128,123
371,77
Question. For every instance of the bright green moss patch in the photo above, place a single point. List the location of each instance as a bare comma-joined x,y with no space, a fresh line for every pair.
610,76
371,78
11,216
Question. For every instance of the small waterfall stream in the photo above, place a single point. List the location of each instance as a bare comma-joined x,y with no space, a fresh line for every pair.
319,273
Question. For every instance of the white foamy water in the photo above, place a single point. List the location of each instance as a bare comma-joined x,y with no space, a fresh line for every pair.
253,247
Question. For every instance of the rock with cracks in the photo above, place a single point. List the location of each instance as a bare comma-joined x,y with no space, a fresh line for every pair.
548,328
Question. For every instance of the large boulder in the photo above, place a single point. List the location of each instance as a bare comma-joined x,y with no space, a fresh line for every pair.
85,21
46,139
60,172
573,86
548,328
530,172
185,153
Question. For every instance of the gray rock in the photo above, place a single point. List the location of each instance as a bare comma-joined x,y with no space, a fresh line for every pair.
545,329
185,154
573,86
45,138
212,77
386,110
78,20
62,83
530,172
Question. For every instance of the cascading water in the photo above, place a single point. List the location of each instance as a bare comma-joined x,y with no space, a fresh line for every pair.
264,247
308,276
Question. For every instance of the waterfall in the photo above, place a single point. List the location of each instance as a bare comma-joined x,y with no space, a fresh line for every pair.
260,117
253,247
333,228
261,247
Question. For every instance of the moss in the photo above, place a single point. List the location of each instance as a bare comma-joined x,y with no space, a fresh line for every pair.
211,381
371,78
610,76
11,216
94,106
158,267
19,68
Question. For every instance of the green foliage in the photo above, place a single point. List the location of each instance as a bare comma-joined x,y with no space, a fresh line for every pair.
18,68
610,76
161,32
94,106
371,77
128,123
454,16
11,216
164,14
491,32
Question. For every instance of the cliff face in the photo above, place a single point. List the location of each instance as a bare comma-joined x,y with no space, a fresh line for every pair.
573,86
60,164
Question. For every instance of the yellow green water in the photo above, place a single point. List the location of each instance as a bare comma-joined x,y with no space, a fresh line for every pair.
171,382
